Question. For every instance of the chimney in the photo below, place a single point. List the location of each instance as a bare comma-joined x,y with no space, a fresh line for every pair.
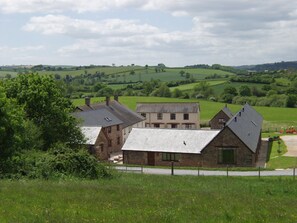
107,99
88,101
116,98
235,119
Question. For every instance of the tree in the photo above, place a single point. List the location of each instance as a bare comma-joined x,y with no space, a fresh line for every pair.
46,107
11,126
228,94
202,89
177,93
230,90
162,91
244,90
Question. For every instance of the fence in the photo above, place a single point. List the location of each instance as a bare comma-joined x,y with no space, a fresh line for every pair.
135,169
228,172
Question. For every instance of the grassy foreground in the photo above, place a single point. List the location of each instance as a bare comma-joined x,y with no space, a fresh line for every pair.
145,198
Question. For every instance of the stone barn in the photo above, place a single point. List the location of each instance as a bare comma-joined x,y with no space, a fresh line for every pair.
236,144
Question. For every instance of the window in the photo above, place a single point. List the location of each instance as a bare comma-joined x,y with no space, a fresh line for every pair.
221,120
227,155
170,157
157,125
173,126
109,142
159,116
186,116
143,115
119,140
109,129
172,116
118,127
188,126
102,147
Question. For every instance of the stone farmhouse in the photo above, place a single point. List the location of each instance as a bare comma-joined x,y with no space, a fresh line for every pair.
110,121
238,143
170,115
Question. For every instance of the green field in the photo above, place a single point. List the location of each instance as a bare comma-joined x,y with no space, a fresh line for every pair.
122,74
3,73
148,198
274,117
219,88
187,87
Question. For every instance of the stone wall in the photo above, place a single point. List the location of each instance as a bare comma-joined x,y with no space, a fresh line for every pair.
215,122
244,157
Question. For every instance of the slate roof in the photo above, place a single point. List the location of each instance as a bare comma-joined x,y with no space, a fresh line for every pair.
122,113
91,134
247,125
101,117
176,107
168,140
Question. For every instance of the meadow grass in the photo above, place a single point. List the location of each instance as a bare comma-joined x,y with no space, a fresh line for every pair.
3,73
219,88
150,198
186,87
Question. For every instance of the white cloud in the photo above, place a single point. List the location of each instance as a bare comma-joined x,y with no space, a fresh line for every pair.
53,6
59,24
228,31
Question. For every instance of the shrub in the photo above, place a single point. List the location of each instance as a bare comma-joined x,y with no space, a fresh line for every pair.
60,161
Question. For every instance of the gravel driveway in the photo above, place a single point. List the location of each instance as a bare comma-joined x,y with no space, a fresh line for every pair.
291,143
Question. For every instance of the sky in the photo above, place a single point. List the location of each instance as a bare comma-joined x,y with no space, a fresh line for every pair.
124,32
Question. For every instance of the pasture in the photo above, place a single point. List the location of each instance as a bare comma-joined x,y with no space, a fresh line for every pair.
123,74
187,87
150,198
219,88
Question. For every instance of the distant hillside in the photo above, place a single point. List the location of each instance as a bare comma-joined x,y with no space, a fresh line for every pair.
270,66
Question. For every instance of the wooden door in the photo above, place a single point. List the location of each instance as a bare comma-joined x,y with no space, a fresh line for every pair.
151,158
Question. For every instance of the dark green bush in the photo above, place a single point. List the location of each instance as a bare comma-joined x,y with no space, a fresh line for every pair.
59,162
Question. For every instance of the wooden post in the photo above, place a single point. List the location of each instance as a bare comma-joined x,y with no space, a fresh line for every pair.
172,168
294,171
227,170
141,169
198,171
259,174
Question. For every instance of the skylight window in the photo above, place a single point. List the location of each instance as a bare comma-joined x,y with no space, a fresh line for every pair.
108,119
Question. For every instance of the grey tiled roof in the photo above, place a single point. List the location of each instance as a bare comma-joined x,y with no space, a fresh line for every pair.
101,117
122,113
169,140
176,107
247,125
